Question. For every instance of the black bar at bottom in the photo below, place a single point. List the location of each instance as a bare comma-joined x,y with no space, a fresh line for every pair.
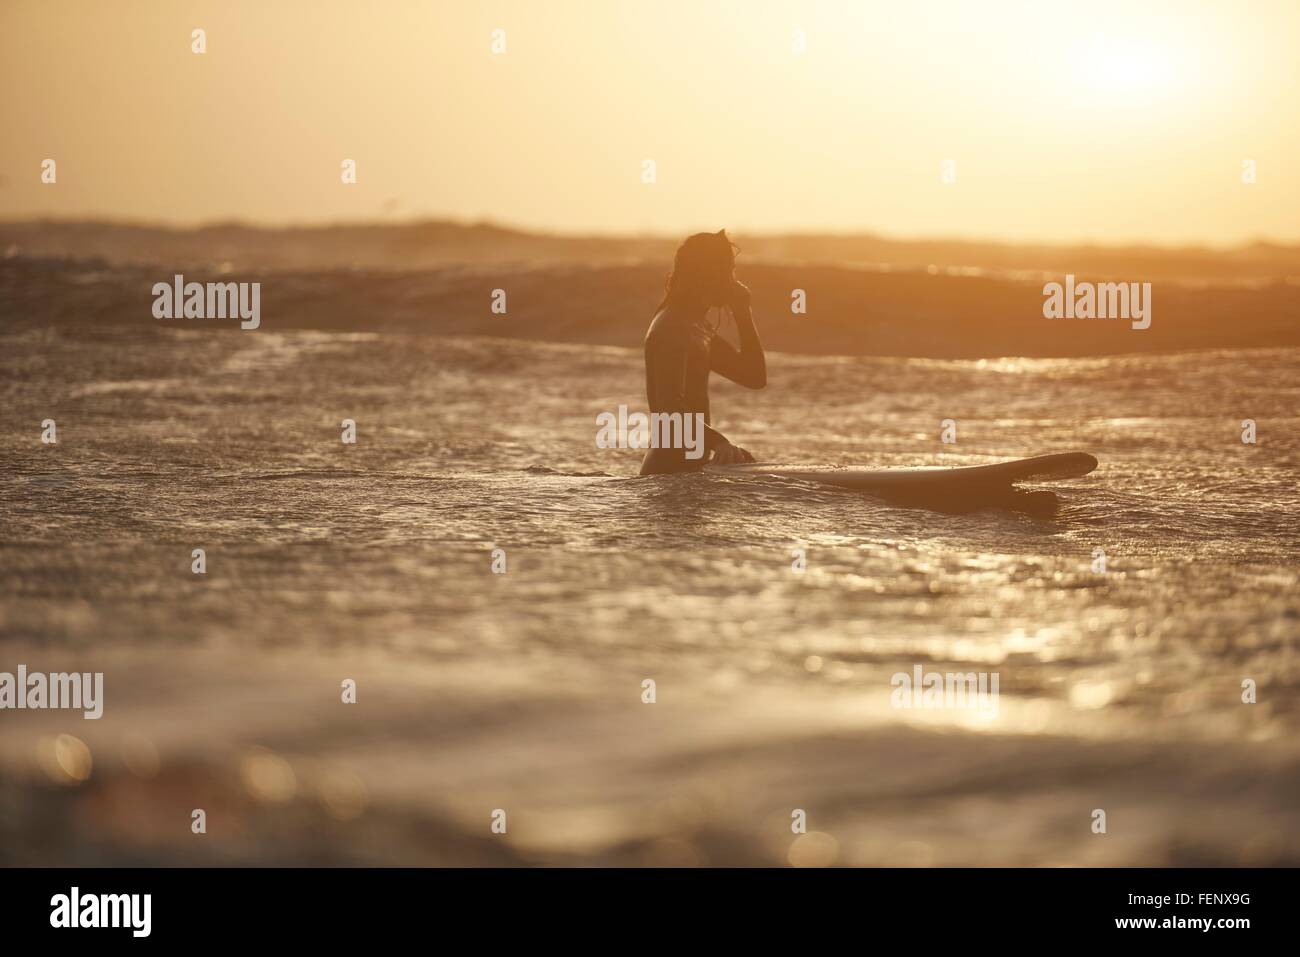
328,906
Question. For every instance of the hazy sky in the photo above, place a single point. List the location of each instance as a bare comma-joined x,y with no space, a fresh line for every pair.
1109,121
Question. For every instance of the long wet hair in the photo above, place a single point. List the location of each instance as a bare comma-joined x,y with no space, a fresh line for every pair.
699,261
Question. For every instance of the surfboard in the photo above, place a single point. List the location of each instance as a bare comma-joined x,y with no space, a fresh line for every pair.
1062,465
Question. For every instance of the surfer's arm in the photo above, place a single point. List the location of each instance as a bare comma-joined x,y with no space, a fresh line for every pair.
748,366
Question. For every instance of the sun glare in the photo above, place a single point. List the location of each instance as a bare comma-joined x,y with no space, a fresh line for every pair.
1124,67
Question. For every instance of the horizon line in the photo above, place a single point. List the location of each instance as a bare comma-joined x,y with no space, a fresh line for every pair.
563,235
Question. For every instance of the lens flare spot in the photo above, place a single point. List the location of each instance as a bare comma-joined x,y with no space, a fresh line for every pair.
268,777
814,849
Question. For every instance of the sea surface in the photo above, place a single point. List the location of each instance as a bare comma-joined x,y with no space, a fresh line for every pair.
769,615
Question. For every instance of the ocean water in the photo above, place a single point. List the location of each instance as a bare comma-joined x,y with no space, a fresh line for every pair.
1120,688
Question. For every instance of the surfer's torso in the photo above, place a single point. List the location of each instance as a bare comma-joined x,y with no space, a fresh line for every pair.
677,363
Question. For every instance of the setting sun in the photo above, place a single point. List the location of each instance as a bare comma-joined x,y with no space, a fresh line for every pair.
1125,68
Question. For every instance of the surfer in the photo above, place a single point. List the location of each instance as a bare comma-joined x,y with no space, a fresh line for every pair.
682,347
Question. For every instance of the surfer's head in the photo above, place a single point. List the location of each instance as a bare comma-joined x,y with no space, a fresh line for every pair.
703,270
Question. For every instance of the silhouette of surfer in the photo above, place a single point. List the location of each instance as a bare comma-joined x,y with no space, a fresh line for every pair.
682,347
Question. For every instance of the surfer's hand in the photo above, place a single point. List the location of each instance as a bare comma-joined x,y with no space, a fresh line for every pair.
738,296
728,454
701,336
